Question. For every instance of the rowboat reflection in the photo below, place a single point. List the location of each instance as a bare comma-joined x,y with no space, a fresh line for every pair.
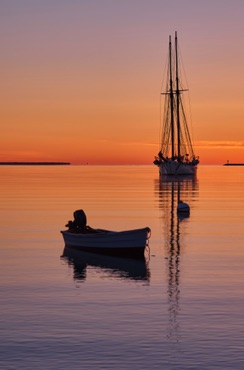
117,267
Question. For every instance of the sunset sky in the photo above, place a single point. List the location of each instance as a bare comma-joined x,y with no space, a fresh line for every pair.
81,79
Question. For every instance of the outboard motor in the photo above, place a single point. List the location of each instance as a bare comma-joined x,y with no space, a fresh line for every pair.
79,223
80,219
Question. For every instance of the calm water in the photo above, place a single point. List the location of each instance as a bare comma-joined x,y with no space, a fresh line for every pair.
181,308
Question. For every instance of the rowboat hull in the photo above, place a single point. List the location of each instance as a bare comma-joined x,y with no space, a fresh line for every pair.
130,243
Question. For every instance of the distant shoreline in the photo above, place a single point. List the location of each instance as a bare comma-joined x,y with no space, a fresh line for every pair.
34,163
234,164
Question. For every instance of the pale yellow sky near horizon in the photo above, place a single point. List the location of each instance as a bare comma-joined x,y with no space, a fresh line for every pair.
81,80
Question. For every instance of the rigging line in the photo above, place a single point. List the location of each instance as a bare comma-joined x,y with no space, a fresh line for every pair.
190,114
164,79
165,74
187,135
160,122
164,120
182,66
188,95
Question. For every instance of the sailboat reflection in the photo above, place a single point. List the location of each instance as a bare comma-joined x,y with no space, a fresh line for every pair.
122,268
170,191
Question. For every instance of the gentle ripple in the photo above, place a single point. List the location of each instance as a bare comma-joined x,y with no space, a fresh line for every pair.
181,308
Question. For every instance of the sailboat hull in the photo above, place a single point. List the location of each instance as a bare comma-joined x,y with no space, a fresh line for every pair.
175,168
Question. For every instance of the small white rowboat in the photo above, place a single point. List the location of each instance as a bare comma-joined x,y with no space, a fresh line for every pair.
129,243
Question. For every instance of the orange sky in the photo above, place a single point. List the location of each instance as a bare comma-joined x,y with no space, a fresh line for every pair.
81,81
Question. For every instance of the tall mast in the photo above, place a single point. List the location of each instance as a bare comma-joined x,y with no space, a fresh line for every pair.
177,96
171,94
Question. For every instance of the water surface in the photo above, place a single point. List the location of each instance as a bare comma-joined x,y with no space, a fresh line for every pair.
181,308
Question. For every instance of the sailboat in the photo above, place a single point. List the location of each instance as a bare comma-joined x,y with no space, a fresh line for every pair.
176,155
